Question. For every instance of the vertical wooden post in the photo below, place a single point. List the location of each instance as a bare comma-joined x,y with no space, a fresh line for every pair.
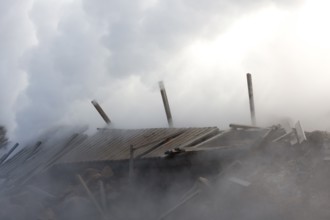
131,162
166,104
251,99
101,112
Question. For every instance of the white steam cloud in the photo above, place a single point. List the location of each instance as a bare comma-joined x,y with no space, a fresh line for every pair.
56,56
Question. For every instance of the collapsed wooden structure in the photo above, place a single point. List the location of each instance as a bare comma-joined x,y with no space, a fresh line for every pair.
244,172
101,170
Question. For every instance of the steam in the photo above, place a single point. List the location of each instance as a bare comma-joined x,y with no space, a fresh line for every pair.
60,55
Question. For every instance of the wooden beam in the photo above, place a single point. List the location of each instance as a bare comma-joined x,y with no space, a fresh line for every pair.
166,104
251,99
101,112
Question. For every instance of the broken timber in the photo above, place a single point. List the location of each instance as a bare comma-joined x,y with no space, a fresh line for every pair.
251,99
101,112
166,104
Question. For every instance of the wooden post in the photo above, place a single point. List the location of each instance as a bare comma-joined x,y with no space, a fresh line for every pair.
166,104
251,99
131,163
101,112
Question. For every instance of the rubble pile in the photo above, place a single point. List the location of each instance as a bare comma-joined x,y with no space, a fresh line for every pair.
243,173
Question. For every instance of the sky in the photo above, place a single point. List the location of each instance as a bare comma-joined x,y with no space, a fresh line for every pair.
58,55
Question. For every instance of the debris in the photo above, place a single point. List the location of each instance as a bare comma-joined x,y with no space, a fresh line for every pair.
238,126
166,104
284,136
91,196
192,193
239,181
264,140
173,152
185,200
300,133
101,112
4,157
131,162
296,135
104,187
251,99
41,192
103,195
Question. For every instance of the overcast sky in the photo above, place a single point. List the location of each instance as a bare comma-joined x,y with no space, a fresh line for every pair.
58,55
